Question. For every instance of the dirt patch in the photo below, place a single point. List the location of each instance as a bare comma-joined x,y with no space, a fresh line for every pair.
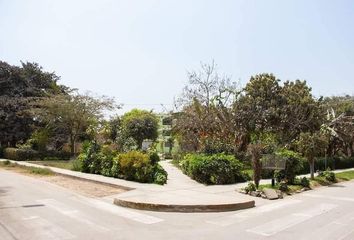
87,188
83,187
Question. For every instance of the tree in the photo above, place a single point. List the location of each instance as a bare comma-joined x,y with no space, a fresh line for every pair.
255,150
74,113
312,145
140,125
204,123
19,87
340,123
301,112
258,109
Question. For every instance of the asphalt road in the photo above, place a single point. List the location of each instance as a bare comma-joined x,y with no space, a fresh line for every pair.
34,209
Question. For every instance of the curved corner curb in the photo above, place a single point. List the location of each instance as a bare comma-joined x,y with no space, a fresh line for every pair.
184,208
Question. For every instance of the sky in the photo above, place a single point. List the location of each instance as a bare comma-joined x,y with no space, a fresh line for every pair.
139,51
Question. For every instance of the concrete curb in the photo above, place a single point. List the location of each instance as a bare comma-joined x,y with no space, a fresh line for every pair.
193,208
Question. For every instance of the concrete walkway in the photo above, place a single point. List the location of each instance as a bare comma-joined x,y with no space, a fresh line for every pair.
182,194
176,179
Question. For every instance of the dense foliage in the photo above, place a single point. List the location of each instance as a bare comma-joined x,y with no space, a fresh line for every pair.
133,165
140,125
293,167
216,120
213,169
25,154
19,87
216,116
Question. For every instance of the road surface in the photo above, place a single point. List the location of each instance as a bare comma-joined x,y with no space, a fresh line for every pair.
35,209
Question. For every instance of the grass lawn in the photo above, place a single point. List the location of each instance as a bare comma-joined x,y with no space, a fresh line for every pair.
66,164
346,176
292,188
25,169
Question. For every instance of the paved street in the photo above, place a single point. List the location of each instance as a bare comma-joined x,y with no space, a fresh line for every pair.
34,209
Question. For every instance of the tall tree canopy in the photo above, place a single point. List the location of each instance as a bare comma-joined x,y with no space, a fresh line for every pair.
19,87
140,125
73,112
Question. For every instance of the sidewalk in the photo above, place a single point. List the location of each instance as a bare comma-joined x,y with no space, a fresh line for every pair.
182,194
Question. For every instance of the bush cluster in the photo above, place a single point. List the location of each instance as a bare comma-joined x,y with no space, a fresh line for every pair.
213,169
328,175
250,187
305,182
294,165
133,165
20,154
23,154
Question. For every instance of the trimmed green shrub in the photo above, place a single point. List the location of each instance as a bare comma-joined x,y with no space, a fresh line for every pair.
19,154
250,187
154,158
160,176
293,166
136,166
305,182
283,186
213,169
328,175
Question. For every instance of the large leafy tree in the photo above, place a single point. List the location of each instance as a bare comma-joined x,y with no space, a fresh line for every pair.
19,87
258,109
140,125
72,112
300,111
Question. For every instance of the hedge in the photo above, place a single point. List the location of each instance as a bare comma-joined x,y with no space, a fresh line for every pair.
214,168
132,166
20,154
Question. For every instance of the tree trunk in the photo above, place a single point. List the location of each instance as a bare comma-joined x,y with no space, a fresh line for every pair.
72,146
350,149
312,169
13,143
140,144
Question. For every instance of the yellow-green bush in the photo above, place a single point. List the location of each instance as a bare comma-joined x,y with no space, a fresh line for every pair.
138,166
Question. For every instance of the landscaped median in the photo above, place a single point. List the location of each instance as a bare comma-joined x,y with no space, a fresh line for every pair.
300,184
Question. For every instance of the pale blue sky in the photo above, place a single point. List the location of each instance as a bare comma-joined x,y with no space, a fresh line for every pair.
139,51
